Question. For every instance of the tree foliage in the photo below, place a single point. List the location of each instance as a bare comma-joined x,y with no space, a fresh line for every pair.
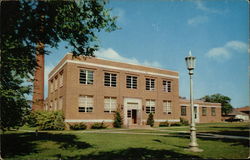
24,24
226,107
117,120
150,120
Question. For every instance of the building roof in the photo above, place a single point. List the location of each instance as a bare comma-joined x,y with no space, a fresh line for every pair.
242,109
201,102
235,112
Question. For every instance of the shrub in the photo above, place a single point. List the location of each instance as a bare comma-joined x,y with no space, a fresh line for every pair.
117,120
78,126
184,122
46,120
98,126
150,120
176,124
164,124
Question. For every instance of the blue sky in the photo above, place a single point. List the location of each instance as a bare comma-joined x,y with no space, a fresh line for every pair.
160,33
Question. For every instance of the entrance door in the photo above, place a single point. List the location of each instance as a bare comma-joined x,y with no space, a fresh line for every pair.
134,116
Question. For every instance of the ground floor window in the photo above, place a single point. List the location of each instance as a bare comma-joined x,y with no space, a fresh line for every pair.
86,104
213,113
150,106
129,114
183,110
204,111
167,107
110,104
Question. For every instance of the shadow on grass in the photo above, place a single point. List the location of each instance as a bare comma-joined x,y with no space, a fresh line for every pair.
234,142
133,154
13,144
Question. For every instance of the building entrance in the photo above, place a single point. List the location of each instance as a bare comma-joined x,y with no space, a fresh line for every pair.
134,116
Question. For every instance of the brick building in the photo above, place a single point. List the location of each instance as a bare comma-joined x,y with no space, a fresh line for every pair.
90,90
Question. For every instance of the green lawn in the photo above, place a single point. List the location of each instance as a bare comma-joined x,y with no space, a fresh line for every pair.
80,145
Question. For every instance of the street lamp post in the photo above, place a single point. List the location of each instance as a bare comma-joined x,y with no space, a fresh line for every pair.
193,145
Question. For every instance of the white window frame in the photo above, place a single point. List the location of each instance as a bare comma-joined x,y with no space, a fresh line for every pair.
88,78
51,86
150,84
131,82
110,104
56,82
110,79
167,107
167,85
86,106
150,106
185,111
213,111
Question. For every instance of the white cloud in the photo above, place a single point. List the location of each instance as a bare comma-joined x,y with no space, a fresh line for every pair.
197,20
201,6
111,54
225,52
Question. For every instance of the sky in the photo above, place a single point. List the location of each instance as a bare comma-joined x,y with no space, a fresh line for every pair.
160,33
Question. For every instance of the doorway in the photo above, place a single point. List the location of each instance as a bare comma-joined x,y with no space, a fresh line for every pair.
134,116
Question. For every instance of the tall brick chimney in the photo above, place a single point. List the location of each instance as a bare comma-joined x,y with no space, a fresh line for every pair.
38,85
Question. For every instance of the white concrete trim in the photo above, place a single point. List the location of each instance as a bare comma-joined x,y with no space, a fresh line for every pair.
113,67
56,71
200,105
165,120
89,120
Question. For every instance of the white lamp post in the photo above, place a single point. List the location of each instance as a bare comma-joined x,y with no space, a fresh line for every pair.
193,146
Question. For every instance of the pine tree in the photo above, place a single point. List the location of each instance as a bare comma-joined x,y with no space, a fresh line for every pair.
117,120
150,120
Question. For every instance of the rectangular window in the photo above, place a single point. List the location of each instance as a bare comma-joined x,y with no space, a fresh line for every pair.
55,104
129,114
167,107
86,76
110,104
110,79
213,113
204,111
150,84
86,104
150,106
132,82
183,110
167,86
60,103
61,79
51,86
56,82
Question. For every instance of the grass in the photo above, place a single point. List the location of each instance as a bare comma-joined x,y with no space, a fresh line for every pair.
81,145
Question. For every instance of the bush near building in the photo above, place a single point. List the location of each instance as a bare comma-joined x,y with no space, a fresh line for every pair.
53,120
98,126
78,126
117,120
150,120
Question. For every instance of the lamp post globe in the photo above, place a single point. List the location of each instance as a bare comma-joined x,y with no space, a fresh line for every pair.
193,145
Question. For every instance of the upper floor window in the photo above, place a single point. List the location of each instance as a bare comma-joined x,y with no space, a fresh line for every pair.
86,76
213,113
132,82
60,103
61,79
150,106
150,84
204,111
51,86
167,86
86,104
55,104
56,82
183,110
167,107
110,79
110,104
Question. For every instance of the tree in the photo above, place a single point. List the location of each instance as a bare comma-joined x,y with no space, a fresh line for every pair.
150,120
117,120
24,24
226,107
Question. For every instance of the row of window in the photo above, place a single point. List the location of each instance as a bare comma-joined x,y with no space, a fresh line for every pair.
204,111
54,82
110,80
86,104
56,105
